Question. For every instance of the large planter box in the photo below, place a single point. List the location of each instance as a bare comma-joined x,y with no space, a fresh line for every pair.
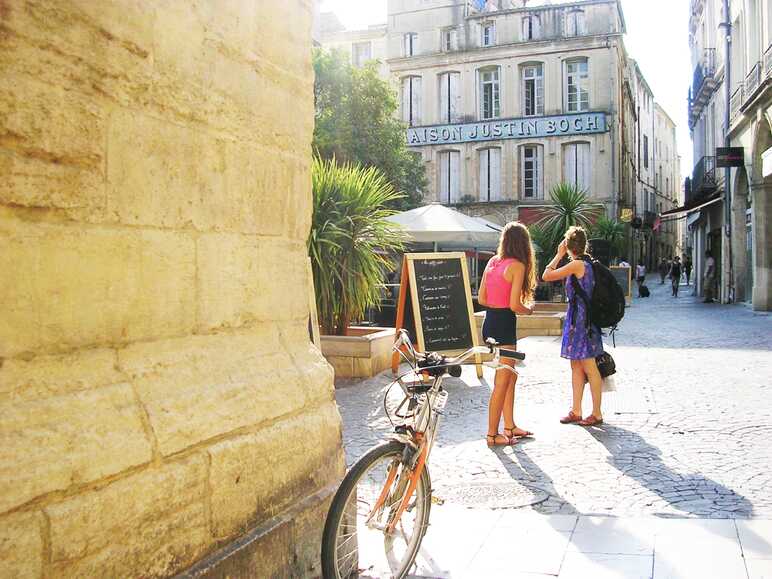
362,353
539,324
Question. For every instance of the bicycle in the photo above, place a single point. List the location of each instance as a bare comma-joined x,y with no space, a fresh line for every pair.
380,513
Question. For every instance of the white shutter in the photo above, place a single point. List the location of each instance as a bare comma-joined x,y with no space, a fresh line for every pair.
583,165
455,168
416,100
455,97
406,100
569,164
536,27
444,97
485,157
443,161
538,193
495,174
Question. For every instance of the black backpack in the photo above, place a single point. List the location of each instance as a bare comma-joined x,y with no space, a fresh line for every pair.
606,306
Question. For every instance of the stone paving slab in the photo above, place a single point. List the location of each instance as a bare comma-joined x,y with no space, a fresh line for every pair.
688,433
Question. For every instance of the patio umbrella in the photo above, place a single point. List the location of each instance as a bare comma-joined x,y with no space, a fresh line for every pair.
441,225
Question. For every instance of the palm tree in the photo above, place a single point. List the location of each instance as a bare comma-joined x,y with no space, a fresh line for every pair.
569,206
350,240
611,230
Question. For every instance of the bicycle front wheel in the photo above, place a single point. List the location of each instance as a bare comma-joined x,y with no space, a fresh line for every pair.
358,538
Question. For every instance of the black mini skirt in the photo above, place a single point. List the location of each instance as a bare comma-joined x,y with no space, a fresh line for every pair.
501,325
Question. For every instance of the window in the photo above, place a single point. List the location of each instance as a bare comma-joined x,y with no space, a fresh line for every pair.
489,93
449,176
360,53
411,100
645,151
531,172
450,97
490,174
533,90
488,34
577,86
576,165
531,28
449,40
574,23
409,44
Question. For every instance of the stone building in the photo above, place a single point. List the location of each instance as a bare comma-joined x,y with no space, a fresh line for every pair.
746,67
503,104
360,46
157,384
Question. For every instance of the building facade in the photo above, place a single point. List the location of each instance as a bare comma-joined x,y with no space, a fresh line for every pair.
505,101
728,209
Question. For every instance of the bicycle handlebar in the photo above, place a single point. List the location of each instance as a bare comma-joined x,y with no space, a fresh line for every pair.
491,348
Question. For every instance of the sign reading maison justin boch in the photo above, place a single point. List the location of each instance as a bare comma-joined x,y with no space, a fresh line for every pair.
558,125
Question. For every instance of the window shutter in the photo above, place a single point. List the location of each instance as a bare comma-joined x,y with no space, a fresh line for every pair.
569,164
445,97
406,100
495,174
416,120
444,177
538,193
536,27
455,97
540,91
454,176
583,165
485,157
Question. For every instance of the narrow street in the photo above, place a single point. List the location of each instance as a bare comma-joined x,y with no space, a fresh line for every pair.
687,433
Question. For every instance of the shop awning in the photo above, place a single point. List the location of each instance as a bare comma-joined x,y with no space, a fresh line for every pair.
687,208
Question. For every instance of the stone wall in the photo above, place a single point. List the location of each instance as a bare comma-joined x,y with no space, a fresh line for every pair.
158,392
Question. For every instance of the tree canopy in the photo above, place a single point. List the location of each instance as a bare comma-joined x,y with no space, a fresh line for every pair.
355,123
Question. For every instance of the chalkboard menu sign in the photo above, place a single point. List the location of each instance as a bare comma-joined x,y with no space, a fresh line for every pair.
435,303
622,275
441,291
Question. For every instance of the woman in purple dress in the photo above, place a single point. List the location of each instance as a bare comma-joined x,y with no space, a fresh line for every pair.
582,341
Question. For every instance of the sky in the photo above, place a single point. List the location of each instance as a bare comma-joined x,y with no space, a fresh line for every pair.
657,38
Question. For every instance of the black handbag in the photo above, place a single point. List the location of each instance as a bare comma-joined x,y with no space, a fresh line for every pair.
606,365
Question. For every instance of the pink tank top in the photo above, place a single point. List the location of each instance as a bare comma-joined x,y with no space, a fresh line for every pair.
497,287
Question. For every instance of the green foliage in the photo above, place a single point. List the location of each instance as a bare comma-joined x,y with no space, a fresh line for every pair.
612,231
568,206
350,240
356,123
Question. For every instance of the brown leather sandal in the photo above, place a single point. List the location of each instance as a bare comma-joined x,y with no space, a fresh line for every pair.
491,439
570,418
510,432
591,420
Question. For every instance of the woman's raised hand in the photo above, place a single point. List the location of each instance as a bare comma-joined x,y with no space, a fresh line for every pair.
562,249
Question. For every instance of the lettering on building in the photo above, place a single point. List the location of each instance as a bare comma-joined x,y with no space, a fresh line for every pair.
552,126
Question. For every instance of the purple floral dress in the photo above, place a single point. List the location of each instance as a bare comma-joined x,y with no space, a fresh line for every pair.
578,343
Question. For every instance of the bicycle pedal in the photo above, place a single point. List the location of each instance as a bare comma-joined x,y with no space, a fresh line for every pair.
437,500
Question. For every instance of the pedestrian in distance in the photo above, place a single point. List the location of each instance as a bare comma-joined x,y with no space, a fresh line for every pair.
709,279
688,268
507,289
675,274
663,268
623,262
582,341
640,277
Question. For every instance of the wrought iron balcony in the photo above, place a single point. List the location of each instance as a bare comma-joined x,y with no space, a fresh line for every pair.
703,84
753,80
736,102
768,62
704,181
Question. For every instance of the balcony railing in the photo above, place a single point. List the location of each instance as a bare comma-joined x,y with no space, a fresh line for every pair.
703,84
703,181
768,62
753,80
736,101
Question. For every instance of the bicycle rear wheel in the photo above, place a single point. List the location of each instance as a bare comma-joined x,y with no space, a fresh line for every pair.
356,540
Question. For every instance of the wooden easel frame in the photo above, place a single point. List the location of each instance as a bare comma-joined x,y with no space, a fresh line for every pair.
629,294
407,284
313,315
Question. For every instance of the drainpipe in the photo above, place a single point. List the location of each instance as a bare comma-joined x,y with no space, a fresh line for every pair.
727,27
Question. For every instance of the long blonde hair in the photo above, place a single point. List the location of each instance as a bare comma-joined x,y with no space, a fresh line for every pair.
515,242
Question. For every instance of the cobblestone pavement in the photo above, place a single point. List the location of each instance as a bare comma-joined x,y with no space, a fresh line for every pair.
687,433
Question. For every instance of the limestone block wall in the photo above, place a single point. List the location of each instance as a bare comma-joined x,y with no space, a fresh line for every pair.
158,392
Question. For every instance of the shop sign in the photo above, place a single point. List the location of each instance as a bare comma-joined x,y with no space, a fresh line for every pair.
730,157
627,215
494,130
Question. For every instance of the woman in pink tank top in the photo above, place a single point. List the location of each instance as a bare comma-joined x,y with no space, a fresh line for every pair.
507,289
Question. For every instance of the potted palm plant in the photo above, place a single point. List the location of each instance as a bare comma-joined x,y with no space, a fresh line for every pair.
569,206
351,245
